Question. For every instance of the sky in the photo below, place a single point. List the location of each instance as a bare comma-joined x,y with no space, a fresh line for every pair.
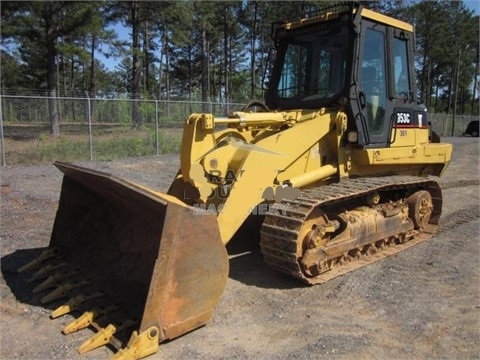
473,5
111,62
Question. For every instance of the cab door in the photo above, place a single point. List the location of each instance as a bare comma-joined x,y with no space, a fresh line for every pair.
408,115
373,81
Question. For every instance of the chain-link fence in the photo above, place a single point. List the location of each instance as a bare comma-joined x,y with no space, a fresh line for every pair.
93,129
107,129
449,125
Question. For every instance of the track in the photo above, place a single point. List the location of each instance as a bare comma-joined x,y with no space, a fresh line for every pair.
281,231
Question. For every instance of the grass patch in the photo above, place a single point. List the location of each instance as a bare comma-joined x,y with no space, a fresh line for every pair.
105,145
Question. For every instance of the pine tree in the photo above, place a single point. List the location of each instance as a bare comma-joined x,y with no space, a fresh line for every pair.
39,27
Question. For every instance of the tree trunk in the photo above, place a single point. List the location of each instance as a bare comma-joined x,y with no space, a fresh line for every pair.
226,92
477,65
146,67
136,63
190,75
92,84
449,92
204,71
455,99
52,86
167,74
92,88
230,70
253,40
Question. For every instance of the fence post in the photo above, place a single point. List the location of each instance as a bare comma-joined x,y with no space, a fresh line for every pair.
90,138
156,124
2,145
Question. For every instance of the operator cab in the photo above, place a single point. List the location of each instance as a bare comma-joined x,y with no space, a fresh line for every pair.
348,55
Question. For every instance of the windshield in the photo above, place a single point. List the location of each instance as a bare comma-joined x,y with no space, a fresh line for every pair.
311,69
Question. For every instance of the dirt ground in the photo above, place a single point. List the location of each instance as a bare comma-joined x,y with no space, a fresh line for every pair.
423,303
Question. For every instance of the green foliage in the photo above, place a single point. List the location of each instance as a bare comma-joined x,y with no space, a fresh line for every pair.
106,145
45,150
44,30
446,54
11,72
206,50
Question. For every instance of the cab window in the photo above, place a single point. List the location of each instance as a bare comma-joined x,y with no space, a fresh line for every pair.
374,80
401,79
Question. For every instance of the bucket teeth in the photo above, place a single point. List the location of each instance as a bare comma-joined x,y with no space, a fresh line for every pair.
104,336
86,319
74,303
35,263
52,281
44,271
139,345
62,290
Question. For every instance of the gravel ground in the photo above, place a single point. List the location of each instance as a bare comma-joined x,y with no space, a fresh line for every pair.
422,303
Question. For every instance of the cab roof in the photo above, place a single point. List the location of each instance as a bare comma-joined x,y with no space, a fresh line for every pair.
337,11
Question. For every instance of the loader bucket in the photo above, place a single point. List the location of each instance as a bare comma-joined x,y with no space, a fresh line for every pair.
161,260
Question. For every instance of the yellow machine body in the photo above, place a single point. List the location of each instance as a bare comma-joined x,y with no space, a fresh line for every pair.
162,257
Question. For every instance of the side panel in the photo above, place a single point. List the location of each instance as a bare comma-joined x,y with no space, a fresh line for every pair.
420,160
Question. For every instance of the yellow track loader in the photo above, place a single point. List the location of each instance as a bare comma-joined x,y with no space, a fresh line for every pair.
338,163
